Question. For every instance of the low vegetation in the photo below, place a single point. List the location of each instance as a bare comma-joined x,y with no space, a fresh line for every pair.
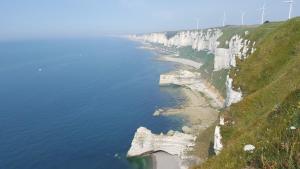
230,31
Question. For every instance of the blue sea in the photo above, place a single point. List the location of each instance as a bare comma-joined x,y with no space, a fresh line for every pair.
76,103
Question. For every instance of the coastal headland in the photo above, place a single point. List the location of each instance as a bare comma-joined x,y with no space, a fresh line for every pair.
199,111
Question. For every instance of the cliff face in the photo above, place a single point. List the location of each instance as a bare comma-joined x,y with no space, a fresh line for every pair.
224,58
199,40
205,40
174,143
193,81
208,40
238,47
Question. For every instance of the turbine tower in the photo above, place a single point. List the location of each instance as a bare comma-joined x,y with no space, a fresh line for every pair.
290,2
197,24
263,13
243,16
224,18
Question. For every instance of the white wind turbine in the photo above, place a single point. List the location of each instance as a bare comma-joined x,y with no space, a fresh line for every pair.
197,24
243,16
224,18
263,9
290,2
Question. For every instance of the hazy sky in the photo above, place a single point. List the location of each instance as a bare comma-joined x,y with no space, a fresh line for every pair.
80,18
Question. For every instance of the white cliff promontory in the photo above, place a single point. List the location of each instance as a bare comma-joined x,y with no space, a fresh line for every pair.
193,81
144,142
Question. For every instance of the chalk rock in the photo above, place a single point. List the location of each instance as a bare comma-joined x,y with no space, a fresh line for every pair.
158,112
204,40
249,148
218,146
232,96
145,142
187,130
199,40
171,133
226,57
222,121
222,59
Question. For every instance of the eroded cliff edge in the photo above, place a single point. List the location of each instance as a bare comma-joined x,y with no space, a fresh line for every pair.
224,54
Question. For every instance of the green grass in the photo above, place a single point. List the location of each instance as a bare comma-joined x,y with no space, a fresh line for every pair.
197,56
277,45
270,81
230,31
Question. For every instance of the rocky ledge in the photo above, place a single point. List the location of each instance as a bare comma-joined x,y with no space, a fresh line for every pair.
193,81
173,143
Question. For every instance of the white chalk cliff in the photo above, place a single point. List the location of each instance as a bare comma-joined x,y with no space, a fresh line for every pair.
225,58
204,40
199,40
176,143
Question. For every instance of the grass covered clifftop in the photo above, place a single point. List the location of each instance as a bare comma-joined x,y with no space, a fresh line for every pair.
270,81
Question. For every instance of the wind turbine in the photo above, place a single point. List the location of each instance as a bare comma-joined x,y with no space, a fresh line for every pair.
263,13
243,16
290,2
197,24
224,18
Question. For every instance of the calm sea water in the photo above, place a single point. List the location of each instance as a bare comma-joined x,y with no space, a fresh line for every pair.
75,104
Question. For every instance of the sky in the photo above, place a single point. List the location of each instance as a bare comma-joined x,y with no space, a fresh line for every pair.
21,19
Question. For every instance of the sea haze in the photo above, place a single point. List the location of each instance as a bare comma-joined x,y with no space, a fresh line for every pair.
77,103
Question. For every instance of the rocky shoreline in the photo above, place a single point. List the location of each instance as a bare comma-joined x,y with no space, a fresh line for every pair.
199,112
202,114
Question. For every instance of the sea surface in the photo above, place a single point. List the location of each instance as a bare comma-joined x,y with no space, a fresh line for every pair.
76,103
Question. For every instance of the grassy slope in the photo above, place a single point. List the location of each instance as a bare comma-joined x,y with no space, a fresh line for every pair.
230,31
270,79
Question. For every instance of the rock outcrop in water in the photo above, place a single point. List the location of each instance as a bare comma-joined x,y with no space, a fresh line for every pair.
175,143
